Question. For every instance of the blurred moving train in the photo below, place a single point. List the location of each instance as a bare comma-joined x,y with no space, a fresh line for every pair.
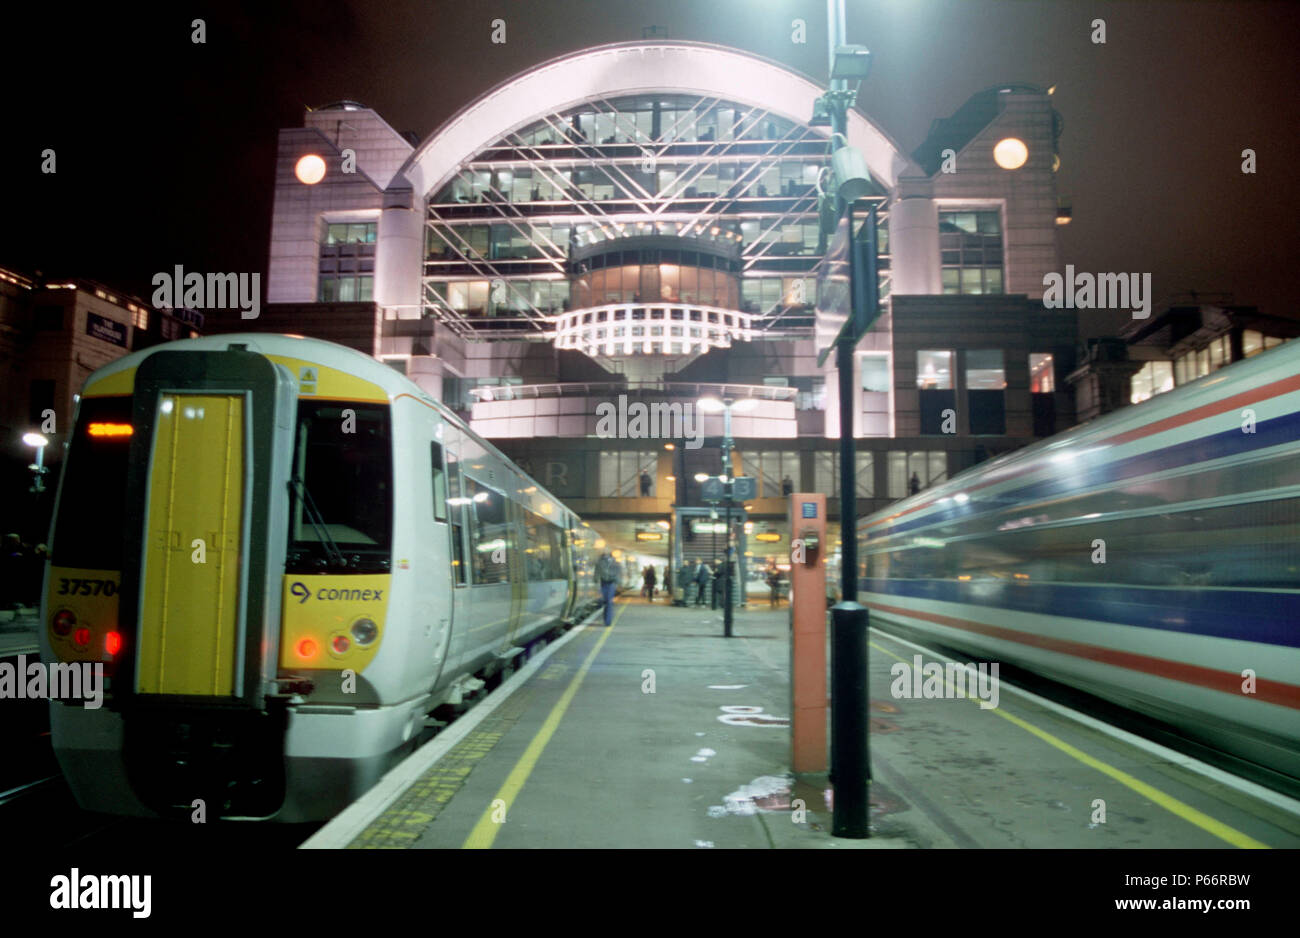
287,555
1150,557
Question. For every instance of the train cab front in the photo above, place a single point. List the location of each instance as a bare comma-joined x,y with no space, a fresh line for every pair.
167,557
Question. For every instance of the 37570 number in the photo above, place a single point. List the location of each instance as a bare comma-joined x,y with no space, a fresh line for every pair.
76,587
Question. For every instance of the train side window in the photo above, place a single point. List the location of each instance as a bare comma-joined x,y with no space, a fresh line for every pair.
439,483
457,514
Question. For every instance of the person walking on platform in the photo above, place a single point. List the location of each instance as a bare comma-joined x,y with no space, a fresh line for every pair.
607,574
702,577
648,581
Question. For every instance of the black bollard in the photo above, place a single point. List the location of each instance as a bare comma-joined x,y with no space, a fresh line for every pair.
850,756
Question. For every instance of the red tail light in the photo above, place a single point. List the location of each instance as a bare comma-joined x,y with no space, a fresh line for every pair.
81,636
64,620
113,642
341,643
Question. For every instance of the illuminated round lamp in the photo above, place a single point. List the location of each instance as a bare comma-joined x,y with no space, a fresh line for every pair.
310,169
1010,153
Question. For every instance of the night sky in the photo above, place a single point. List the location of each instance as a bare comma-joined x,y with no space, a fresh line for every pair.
165,148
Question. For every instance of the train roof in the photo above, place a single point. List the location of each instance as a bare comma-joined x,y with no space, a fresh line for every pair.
330,355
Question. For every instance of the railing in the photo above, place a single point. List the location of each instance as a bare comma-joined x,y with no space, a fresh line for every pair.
683,389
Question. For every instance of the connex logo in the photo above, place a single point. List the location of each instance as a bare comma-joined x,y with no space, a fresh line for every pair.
70,680
102,892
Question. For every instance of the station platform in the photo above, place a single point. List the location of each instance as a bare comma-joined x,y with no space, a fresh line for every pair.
19,632
658,732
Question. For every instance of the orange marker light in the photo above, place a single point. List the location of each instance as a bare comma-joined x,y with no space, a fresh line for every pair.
110,429
306,648
113,642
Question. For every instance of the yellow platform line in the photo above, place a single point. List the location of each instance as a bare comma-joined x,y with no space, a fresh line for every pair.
486,830
1168,802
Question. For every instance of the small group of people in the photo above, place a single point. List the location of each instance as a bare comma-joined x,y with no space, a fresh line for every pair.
649,581
22,570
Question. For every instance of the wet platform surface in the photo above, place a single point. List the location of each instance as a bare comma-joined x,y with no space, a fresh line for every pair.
582,754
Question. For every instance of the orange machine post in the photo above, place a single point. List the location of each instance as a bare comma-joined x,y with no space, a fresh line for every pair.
808,632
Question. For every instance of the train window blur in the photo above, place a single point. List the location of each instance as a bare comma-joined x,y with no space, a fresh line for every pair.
542,555
347,470
1042,376
93,498
439,483
489,533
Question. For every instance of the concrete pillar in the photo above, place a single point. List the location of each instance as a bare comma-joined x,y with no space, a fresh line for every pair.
398,254
427,372
914,247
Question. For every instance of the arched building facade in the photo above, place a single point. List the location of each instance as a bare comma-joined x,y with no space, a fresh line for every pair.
637,224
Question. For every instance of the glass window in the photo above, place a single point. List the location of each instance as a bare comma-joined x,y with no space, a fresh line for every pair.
1252,343
984,371
971,252
929,468
1042,375
875,373
934,371
333,467
489,533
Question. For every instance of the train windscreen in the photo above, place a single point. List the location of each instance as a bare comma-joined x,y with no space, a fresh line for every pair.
341,511
92,502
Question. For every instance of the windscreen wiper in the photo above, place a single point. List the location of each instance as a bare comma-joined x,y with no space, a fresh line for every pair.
318,523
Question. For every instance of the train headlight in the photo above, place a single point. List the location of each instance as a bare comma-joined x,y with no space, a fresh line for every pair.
365,631
64,620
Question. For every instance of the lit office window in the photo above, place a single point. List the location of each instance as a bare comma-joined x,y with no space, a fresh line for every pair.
347,263
826,474
970,245
1154,378
621,471
930,468
1042,377
934,371
771,469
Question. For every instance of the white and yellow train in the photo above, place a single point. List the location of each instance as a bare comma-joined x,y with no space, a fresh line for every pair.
286,554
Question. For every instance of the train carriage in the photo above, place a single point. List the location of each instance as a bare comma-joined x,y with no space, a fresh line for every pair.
1151,557
295,555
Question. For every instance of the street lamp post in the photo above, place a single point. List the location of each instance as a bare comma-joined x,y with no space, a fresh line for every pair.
728,479
850,759
39,442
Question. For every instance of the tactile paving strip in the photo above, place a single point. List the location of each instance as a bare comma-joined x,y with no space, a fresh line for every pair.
399,827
